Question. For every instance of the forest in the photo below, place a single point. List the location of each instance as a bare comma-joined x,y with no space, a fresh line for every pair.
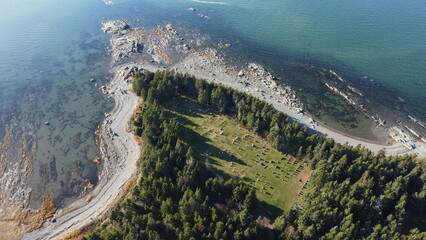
352,193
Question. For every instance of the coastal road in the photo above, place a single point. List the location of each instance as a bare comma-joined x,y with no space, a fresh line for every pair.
121,151
202,68
125,151
398,148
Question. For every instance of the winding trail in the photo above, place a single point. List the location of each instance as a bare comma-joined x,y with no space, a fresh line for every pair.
122,152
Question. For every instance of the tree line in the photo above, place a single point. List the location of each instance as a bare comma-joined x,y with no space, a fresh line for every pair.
353,193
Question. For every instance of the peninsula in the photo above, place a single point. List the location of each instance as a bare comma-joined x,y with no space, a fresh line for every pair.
138,50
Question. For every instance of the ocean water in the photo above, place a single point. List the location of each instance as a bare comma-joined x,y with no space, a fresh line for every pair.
51,49
383,40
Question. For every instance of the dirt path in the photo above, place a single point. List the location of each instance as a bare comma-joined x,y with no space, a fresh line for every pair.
204,70
121,151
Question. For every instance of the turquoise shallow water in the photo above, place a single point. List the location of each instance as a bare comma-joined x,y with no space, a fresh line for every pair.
383,39
50,49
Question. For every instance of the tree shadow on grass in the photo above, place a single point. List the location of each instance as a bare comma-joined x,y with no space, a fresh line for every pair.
266,209
262,208
201,145
204,149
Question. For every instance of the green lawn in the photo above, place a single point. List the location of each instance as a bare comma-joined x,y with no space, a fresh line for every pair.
232,151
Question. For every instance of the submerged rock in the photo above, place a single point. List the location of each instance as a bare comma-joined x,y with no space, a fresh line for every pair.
203,16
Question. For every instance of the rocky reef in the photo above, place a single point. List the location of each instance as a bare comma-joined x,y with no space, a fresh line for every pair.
124,42
168,47
261,79
399,125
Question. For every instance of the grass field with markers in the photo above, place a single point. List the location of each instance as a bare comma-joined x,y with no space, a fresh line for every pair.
232,151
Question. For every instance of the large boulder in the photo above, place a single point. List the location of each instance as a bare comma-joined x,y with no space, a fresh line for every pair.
116,27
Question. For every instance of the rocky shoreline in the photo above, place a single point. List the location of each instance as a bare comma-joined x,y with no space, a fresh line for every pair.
119,151
163,47
403,129
17,153
134,49
167,47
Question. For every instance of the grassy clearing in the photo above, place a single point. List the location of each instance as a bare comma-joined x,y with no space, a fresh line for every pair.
233,151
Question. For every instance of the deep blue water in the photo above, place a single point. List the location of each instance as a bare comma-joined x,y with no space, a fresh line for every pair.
50,49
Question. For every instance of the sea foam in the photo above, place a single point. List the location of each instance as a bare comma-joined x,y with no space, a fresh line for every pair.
208,2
